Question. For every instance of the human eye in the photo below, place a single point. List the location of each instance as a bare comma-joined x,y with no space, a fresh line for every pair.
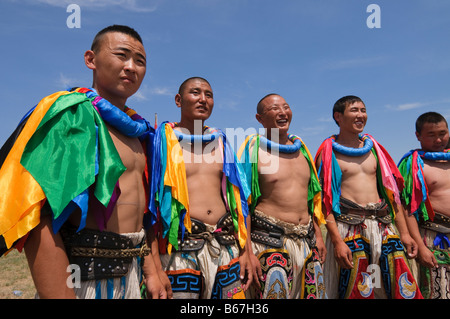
120,54
141,62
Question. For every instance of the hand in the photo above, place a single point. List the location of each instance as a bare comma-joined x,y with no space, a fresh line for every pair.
256,270
166,283
343,255
426,258
322,250
155,288
246,273
410,246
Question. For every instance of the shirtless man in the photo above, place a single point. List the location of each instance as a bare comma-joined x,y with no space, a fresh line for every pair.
429,220
285,194
359,212
118,61
209,249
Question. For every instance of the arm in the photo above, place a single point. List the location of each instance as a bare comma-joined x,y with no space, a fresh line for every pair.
320,244
342,252
245,261
156,280
254,261
408,241
48,262
424,256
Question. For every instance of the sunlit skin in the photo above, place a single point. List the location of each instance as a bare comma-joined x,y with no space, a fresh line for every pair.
284,191
433,137
204,164
119,66
358,173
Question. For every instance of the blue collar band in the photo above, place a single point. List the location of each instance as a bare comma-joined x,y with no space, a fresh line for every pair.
351,151
282,148
196,138
435,156
117,118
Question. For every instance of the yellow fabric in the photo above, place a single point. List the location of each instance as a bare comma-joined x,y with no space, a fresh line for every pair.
175,175
21,197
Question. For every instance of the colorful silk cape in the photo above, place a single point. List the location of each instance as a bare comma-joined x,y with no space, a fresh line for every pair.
415,193
169,198
390,181
62,156
249,160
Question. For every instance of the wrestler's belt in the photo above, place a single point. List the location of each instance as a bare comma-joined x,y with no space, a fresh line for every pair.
267,233
101,254
224,234
440,224
354,214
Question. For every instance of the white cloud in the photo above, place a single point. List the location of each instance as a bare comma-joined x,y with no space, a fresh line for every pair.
406,106
131,5
64,82
144,92
416,105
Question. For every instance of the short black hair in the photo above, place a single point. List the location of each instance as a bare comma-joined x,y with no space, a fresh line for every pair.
181,88
343,102
114,28
429,117
260,107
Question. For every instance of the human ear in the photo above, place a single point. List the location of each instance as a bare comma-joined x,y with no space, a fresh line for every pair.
418,136
258,117
337,116
89,59
178,100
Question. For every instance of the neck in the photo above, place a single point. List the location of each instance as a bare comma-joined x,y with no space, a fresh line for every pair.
194,127
281,135
114,100
349,139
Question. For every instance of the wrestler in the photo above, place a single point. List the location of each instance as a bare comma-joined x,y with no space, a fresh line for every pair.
200,202
427,202
361,199
286,208
78,167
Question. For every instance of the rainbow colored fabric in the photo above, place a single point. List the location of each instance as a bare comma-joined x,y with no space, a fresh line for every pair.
390,181
169,199
63,157
415,193
249,160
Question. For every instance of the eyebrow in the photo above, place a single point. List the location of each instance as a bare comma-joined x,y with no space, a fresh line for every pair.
129,51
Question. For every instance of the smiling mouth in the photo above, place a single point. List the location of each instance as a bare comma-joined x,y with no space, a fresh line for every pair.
282,121
202,109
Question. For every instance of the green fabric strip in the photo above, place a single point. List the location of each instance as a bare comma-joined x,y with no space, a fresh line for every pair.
61,155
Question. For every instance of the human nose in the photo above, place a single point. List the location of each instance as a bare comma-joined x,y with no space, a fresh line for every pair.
202,97
130,65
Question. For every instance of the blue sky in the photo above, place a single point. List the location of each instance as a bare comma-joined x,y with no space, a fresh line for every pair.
310,52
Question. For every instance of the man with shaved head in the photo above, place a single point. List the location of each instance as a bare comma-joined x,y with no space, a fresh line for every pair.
80,159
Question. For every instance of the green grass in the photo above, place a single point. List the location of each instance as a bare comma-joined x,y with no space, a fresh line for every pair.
15,276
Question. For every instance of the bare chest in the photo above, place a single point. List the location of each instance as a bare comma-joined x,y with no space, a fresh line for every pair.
202,160
357,165
283,168
130,151
437,175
